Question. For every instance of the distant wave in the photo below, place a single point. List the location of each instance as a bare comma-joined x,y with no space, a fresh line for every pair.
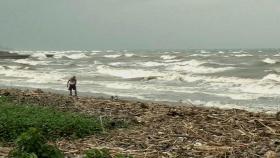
237,52
129,54
272,77
167,57
204,51
112,56
40,56
269,61
119,55
237,88
152,64
243,55
172,60
32,76
12,55
31,62
201,55
15,68
70,56
126,73
194,66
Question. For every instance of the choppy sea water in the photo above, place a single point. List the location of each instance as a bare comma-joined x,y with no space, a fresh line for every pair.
245,79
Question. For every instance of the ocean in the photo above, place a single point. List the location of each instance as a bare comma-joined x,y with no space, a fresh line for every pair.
243,79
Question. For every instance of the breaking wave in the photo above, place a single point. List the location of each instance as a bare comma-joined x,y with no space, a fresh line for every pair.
167,57
269,61
126,73
194,66
31,62
243,55
113,56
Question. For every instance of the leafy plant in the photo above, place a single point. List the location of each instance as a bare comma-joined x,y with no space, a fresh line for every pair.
32,144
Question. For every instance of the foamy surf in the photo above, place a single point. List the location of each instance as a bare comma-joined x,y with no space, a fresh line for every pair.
126,73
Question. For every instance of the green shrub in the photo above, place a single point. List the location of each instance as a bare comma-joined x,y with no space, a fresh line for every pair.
15,119
98,153
32,144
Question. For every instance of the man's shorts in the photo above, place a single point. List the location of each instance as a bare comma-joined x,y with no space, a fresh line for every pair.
72,87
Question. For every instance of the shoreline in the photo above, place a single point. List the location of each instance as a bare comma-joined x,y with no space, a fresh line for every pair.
106,96
161,130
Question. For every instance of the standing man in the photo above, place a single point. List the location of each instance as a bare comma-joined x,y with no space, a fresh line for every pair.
71,85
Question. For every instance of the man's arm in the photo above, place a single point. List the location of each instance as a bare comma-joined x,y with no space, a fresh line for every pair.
68,83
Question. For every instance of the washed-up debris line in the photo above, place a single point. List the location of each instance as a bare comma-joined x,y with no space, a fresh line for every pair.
164,130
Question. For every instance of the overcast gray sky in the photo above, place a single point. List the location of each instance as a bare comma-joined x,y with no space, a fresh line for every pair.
139,24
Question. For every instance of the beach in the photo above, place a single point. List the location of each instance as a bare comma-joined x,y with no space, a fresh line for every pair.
140,79
159,130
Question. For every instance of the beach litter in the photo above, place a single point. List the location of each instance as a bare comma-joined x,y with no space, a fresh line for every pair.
157,130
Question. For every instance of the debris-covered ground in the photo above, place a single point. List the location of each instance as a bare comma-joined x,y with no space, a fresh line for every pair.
158,130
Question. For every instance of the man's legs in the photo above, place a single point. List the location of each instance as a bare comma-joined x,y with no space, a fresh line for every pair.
70,92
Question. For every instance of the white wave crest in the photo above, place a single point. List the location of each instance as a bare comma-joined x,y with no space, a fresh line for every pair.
204,52
70,56
194,66
272,77
95,51
31,62
237,52
200,55
172,60
243,55
34,76
59,55
129,55
167,57
151,64
77,56
112,56
269,61
40,56
277,55
126,73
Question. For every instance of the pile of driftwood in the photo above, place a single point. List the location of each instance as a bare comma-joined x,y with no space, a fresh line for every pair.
158,130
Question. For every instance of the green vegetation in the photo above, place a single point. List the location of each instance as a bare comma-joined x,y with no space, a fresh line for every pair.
31,126
98,153
18,118
32,144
